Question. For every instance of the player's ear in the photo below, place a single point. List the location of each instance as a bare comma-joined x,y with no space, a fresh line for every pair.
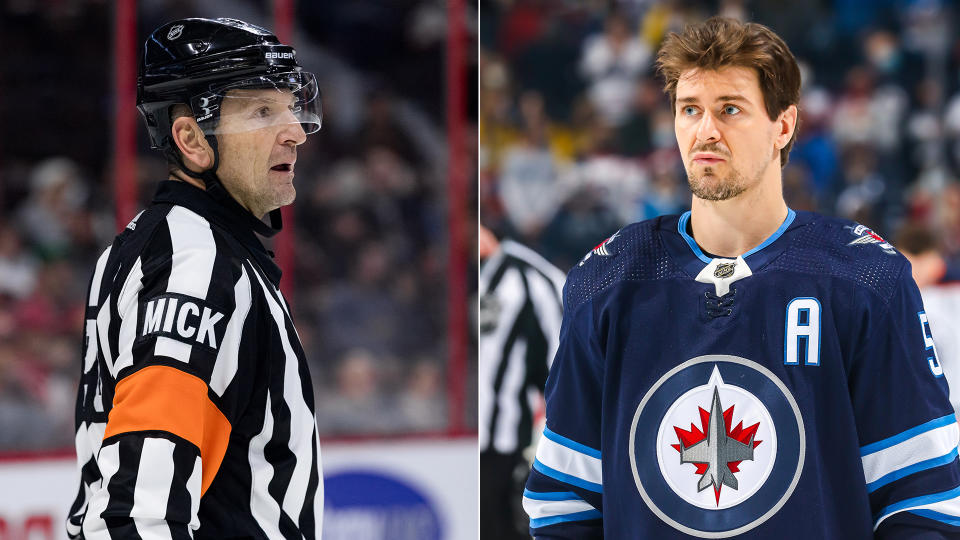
786,124
189,138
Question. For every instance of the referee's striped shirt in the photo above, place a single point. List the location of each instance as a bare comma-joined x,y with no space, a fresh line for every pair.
520,313
195,414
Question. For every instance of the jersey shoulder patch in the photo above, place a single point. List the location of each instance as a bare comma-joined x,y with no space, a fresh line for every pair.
844,249
865,236
634,253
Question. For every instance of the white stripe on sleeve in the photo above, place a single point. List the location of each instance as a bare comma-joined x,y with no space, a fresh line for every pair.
228,357
263,507
103,330
98,277
128,309
193,488
888,464
94,527
154,479
568,461
538,509
193,253
302,423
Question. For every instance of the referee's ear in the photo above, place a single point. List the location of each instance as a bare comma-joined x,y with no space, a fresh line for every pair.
189,138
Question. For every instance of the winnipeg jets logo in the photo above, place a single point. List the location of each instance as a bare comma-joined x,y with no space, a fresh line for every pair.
716,450
725,456
601,248
866,236
175,32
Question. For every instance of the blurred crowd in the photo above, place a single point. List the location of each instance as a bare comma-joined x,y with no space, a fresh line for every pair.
576,135
370,216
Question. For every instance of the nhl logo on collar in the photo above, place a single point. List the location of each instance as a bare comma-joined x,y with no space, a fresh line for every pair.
717,446
725,270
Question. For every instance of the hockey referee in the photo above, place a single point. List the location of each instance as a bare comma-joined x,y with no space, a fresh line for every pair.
520,314
195,414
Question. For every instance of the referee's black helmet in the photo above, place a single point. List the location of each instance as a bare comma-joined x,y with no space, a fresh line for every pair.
197,61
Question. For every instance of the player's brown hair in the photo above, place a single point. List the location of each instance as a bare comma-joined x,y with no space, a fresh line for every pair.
721,42
917,239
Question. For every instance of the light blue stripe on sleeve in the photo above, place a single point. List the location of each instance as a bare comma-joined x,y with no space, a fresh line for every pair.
917,501
569,479
569,443
577,516
551,495
931,514
910,433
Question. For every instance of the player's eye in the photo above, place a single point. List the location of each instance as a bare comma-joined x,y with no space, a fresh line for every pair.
731,109
689,110
263,112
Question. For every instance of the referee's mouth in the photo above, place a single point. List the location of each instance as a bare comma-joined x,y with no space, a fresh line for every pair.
283,168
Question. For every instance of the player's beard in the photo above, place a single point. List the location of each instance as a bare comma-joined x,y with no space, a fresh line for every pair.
714,188
709,187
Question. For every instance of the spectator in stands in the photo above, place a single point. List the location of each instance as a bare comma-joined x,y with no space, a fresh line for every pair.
611,64
814,149
358,403
528,182
57,192
421,402
864,189
18,270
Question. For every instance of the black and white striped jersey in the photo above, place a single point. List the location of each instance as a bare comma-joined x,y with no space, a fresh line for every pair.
195,413
520,313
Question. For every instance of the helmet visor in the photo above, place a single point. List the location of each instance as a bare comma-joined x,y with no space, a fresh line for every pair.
260,102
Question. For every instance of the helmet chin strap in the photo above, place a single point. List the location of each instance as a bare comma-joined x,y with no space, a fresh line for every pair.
220,194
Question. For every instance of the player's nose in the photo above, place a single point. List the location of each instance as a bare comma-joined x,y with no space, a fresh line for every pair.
707,128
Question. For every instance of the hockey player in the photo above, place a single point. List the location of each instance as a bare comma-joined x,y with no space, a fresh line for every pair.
743,369
195,411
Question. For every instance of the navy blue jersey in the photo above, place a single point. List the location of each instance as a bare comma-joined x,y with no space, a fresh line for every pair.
793,392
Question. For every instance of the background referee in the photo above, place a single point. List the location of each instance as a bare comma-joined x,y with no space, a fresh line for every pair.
520,311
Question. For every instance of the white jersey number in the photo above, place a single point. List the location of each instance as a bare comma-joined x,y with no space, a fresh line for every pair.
932,361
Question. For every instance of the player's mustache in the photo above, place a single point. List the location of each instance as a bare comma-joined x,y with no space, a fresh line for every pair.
712,148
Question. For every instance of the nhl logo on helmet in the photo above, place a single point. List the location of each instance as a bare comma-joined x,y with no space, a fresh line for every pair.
175,32
717,446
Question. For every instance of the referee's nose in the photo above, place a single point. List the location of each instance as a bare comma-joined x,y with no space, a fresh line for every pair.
292,132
